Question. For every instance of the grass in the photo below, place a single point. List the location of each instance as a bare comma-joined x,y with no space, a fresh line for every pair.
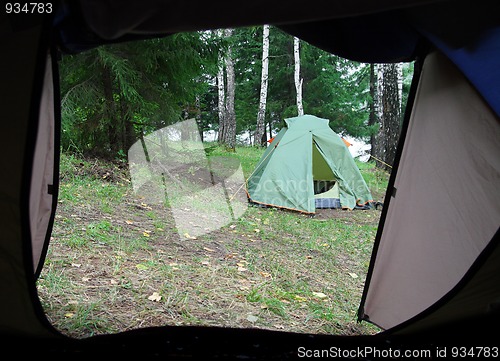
117,262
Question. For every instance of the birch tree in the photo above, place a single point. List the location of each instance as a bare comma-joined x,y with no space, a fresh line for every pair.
226,95
399,70
298,80
221,103
260,131
230,114
373,117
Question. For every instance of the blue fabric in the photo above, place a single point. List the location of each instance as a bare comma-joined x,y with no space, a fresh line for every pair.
327,203
479,62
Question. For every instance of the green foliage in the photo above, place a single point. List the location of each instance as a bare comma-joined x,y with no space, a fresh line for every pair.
114,94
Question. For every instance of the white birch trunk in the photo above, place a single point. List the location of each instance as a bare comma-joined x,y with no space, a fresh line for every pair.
297,78
379,90
221,96
399,69
230,116
260,130
221,90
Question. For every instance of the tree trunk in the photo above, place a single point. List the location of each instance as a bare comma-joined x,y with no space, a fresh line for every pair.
260,131
390,127
221,98
297,78
378,150
230,115
399,70
197,104
128,131
110,110
392,112
373,116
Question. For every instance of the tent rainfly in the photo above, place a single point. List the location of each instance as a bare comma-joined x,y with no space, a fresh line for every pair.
307,166
435,266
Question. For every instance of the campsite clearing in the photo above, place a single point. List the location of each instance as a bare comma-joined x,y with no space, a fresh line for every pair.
116,263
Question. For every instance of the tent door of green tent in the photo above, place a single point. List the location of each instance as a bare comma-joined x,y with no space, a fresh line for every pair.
326,190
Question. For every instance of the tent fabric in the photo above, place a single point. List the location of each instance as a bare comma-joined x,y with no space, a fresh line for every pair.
43,178
447,205
486,53
84,24
477,296
285,174
469,35
22,72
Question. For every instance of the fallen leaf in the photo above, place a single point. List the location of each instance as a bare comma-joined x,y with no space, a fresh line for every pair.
242,269
188,236
264,306
145,234
300,298
252,318
241,264
129,222
69,315
141,266
353,275
319,295
265,274
155,297
208,249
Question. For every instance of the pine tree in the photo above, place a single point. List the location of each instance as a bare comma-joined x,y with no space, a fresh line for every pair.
113,94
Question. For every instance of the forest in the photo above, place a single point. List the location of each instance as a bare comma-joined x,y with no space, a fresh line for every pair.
239,84
123,257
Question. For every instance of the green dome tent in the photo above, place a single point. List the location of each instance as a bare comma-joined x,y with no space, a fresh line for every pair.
307,166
